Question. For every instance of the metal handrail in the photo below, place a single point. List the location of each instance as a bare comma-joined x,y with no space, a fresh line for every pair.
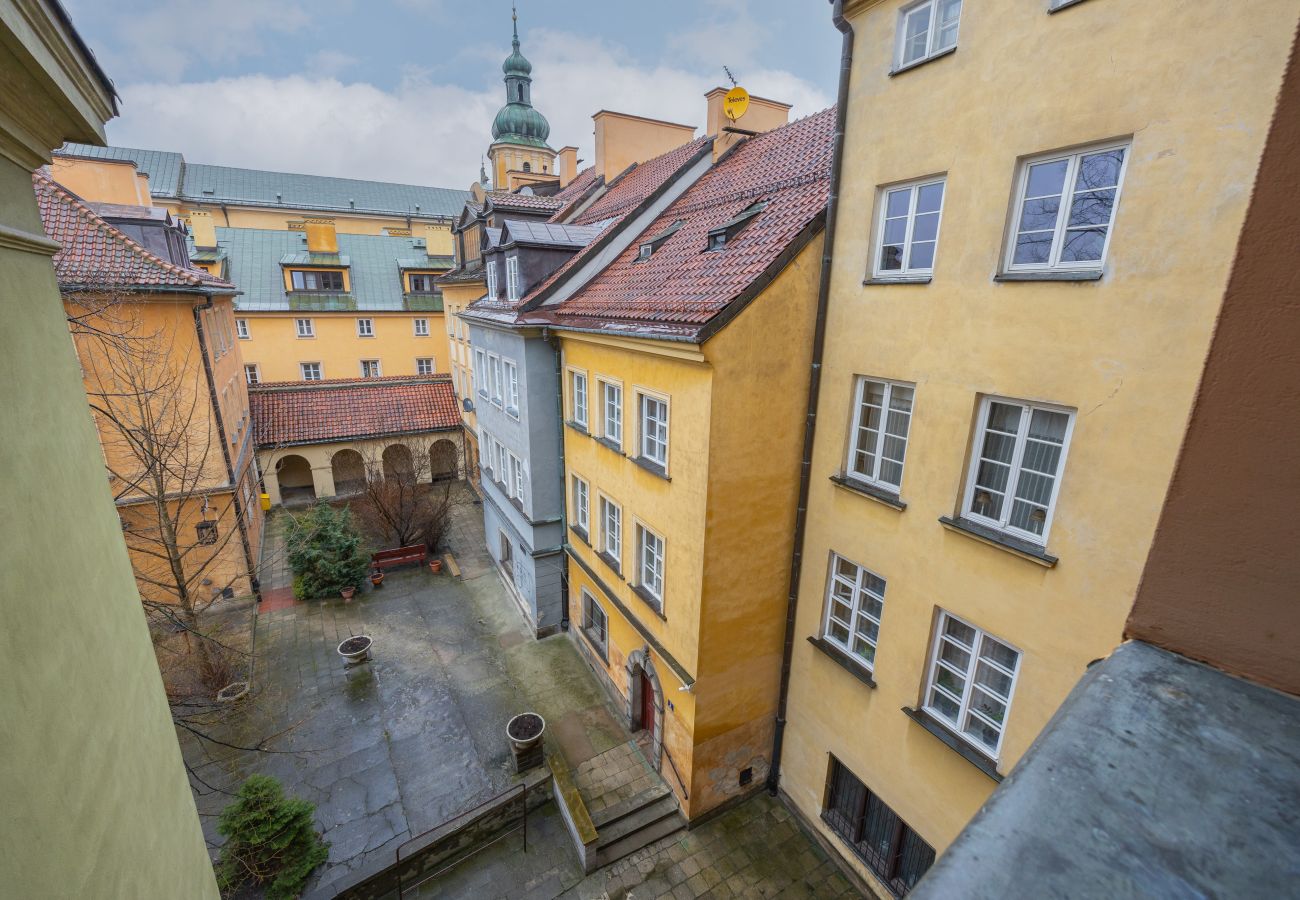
521,789
668,756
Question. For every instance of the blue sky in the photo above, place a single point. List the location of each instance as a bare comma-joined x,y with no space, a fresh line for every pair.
405,90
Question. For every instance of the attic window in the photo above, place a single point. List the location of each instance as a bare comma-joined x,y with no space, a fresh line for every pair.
718,237
650,246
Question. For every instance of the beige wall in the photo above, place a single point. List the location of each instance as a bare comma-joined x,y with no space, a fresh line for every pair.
107,180
282,467
1125,352
623,139
274,347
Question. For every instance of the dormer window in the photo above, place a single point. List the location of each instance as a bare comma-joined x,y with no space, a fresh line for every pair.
421,283
648,248
718,237
492,280
316,280
512,278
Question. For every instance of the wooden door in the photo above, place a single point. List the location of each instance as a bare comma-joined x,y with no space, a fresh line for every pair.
647,703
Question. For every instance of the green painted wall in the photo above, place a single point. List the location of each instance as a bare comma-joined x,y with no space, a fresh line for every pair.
95,798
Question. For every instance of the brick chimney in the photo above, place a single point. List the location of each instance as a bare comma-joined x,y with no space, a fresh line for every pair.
321,237
567,165
623,139
762,115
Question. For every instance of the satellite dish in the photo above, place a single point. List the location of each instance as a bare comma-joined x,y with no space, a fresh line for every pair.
735,103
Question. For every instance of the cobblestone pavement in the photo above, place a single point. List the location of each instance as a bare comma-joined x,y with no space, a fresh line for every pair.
754,850
618,774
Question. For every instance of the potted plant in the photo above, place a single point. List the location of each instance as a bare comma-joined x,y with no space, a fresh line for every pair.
356,649
377,577
348,593
435,566
525,731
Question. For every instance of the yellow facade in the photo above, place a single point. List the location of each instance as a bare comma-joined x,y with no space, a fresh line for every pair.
455,297
1123,352
725,514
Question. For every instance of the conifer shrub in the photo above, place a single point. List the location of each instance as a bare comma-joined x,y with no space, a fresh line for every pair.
271,840
325,552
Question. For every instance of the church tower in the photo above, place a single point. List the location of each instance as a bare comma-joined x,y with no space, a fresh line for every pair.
519,153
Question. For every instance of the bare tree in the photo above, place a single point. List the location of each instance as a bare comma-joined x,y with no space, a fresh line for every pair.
401,502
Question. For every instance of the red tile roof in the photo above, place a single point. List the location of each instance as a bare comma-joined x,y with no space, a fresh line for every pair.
575,192
505,200
682,287
95,255
316,412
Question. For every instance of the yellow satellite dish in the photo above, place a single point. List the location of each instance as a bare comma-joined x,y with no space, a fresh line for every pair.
735,103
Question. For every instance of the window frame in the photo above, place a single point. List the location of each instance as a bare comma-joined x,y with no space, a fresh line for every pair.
615,559
298,280
491,276
642,396
1068,189
517,477
320,371
241,329
607,384
931,52
1013,480
308,332
510,386
860,383
416,324
255,370
581,503
420,362
574,375
856,609
642,532
376,364
512,278
882,213
494,379
425,277
480,373
590,603
365,327
937,637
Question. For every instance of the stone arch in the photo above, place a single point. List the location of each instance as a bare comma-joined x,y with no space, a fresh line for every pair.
398,461
639,663
349,469
443,461
293,472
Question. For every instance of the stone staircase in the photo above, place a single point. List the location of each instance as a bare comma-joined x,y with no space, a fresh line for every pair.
630,805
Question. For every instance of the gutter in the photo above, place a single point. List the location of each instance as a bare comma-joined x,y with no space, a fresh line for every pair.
814,389
225,450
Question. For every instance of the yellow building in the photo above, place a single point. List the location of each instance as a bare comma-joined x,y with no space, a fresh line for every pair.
1038,209
156,343
679,518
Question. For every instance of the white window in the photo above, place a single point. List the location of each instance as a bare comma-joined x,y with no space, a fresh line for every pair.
654,429
972,676
907,233
421,327
492,280
512,278
854,601
370,368
581,509
611,536
480,371
883,415
494,365
595,624
579,398
650,563
511,374
1065,206
926,29
612,405
305,328
1018,456
241,329
365,327
517,478
310,371
251,374
424,365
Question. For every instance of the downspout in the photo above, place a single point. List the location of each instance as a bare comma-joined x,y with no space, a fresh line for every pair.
225,449
814,387
554,341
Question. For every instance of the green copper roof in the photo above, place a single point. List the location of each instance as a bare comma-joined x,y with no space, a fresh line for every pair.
517,123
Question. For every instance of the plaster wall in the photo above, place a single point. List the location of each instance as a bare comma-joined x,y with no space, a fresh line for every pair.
110,181
455,297
622,139
319,460
274,347
1125,352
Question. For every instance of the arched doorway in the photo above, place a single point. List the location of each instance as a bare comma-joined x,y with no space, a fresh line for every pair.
349,473
296,485
442,460
398,462
645,703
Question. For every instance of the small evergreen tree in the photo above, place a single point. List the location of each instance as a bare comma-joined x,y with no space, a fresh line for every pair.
325,553
270,840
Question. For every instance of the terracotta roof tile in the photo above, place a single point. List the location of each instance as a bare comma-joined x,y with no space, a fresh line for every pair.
313,412
94,254
575,192
505,200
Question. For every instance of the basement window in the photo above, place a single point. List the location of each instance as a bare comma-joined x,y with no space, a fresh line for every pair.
718,237
649,247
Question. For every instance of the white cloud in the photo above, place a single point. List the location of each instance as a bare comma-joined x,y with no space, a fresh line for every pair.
420,132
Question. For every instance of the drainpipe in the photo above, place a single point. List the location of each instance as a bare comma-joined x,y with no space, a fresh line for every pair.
554,341
225,449
814,387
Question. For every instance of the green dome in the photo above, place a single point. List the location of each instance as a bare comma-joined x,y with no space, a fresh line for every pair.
518,120
516,63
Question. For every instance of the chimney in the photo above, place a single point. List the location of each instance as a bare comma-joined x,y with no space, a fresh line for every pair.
623,139
321,237
762,115
568,165
202,230
437,240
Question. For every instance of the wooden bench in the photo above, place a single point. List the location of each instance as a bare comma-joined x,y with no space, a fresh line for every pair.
384,559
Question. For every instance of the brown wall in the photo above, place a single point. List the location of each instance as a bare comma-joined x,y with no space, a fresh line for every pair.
1222,581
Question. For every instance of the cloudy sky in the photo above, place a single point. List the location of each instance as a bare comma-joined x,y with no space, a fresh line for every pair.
405,90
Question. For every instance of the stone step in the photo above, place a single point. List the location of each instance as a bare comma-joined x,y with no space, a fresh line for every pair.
644,817
642,837
611,814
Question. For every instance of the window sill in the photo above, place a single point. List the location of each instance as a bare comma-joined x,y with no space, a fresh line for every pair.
581,534
612,563
870,491
581,429
617,448
1080,275
512,412
920,62
950,738
984,534
655,605
901,279
843,660
1058,5
652,467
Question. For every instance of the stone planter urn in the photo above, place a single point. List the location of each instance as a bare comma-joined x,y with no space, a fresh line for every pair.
233,692
525,731
356,649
